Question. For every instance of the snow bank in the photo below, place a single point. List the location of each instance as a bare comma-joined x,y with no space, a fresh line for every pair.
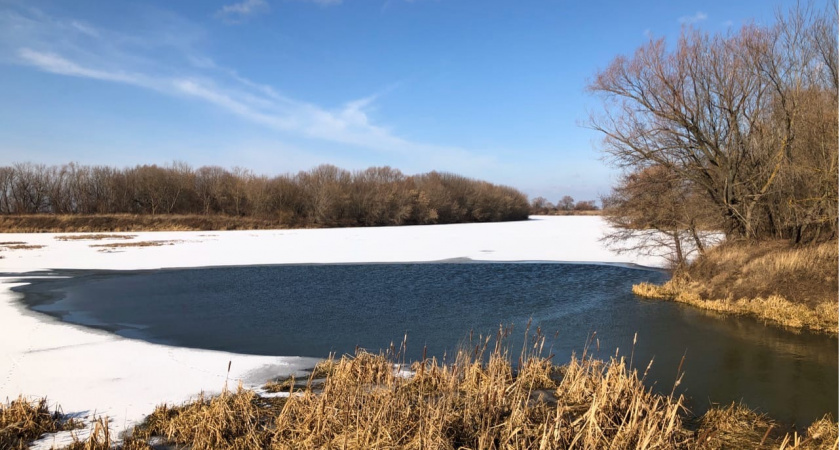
91,372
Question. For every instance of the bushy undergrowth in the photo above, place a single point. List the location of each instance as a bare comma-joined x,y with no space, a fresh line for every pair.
793,286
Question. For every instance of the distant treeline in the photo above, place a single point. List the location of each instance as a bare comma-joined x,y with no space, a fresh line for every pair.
323,196
566,205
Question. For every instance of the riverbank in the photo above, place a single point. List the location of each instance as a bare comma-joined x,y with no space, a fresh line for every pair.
99,223
89,372
793,287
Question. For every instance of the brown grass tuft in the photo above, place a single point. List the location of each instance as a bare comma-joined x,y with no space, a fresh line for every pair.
232,420
22,421
735,426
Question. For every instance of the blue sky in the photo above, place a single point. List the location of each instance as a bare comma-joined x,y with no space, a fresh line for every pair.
488,89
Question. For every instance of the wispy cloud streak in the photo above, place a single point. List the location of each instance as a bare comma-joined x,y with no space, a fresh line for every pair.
238,12
110,56
699,16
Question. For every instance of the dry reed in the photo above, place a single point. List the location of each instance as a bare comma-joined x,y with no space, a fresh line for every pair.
480,401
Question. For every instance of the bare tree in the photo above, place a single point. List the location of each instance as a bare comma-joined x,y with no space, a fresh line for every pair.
722,112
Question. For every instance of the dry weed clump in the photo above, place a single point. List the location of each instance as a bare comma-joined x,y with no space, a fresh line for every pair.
795,287
22,421
737,426
232,420
93,237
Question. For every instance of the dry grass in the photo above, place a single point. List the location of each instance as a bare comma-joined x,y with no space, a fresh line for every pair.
473,403
481,401
110,223
576,213
235,420
284,385
134,244
22,421
93,237
735,426
476,402
795,287
21,246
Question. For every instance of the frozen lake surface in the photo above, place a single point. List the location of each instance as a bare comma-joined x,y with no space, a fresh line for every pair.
315,310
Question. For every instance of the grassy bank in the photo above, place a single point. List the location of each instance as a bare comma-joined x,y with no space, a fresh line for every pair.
103,223
795,287
477,402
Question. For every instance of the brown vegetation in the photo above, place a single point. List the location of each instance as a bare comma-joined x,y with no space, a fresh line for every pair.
95,198
794,286
480,401
94,237
22,421
586,404
100,223
20,246
134,244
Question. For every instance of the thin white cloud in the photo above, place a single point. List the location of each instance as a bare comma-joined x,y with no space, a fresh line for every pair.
699,16
238,12
117,58
53,63
326,2
84,28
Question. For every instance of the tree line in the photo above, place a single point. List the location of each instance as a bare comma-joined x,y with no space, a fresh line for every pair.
735,132
566,205
323,196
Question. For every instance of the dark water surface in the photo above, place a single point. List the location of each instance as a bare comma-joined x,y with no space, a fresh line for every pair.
312,310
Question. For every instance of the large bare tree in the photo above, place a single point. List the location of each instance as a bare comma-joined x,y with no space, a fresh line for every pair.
726,113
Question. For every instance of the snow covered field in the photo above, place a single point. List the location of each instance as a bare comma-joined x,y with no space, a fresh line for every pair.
91,372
